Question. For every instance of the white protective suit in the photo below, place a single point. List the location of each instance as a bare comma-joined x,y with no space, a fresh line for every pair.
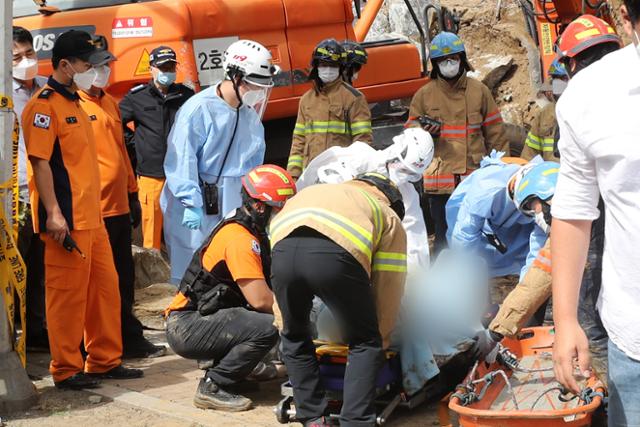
360,158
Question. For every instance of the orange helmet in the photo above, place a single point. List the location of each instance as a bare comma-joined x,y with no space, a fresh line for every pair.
585,32
269,184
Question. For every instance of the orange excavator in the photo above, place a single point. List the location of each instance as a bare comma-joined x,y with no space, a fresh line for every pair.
200,31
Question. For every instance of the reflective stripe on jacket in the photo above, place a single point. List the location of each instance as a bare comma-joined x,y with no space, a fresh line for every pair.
471,128
541,137
336,115
357,217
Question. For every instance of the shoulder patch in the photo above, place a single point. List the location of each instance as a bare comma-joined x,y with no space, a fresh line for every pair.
45,94
355,92
255,247
41,121
137,88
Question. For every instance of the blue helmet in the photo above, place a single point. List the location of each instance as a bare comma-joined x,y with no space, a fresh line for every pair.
445,44
557,69
538,182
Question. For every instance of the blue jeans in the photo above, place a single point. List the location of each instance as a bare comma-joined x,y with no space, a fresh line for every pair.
624,393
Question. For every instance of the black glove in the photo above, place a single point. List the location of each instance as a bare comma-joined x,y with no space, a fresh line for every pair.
135,211
486,346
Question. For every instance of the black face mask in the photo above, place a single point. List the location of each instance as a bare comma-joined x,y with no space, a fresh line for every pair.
260,219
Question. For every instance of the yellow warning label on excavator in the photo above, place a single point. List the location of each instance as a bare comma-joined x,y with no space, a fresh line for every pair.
547,39
143,64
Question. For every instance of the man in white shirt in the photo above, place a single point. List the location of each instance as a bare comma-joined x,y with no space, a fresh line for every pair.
26,82
600,151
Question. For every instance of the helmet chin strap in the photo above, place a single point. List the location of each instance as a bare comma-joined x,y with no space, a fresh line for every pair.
236,87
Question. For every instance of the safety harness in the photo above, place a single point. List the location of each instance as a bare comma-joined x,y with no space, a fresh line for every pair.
210,291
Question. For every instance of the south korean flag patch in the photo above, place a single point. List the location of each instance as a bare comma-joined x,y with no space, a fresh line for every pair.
255,247
42,121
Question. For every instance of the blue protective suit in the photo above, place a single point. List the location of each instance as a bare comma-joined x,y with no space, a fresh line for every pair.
481,204
196,147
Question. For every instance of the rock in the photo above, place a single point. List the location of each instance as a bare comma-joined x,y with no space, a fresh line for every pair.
95,399
491,69
150,267
152,301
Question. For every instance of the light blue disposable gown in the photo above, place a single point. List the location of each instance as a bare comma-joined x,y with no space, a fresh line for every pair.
196,147
481,204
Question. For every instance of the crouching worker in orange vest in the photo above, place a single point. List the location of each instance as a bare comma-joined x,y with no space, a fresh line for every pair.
81,282
223,310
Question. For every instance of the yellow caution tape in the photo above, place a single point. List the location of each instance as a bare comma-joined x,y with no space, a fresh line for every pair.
12,268
14,280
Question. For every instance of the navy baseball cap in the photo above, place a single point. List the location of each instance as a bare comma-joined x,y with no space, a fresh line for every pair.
162,55
80,44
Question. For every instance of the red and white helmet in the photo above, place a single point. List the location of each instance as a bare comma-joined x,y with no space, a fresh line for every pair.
269,184
252,61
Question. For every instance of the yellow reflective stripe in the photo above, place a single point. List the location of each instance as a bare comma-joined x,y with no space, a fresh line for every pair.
361,127
390,261
533,141
392,268
284,191
295,161
299,129
390,255
547,148
587,33
377,216
357,235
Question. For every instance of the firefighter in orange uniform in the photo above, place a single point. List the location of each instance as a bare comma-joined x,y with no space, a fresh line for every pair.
82,296
120,205
464,120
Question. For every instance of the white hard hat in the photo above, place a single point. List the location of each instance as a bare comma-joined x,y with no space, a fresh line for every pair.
413,148
334,173
252,60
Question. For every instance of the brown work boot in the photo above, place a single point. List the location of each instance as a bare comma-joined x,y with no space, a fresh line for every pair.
211,396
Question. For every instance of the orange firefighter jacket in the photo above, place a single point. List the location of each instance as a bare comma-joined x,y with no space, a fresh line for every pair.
336,115
356,216
471,128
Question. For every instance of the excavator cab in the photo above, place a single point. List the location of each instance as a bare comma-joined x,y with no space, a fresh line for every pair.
201,30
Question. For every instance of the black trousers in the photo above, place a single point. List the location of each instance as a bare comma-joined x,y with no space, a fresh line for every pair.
590,289
307,264
31,249
437,203
119,231
235,338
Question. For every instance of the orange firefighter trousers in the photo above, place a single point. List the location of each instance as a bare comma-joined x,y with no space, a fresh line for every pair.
149,190
83,301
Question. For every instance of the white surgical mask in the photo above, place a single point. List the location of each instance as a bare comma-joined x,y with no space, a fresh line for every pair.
26,69
328,74
84,80
539,219
558,86
400,175
449,68
355,76
102,76
637,39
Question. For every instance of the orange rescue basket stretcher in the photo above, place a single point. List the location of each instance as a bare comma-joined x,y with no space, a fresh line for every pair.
520,389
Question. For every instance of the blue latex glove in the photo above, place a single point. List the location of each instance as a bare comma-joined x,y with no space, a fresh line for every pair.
192,217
